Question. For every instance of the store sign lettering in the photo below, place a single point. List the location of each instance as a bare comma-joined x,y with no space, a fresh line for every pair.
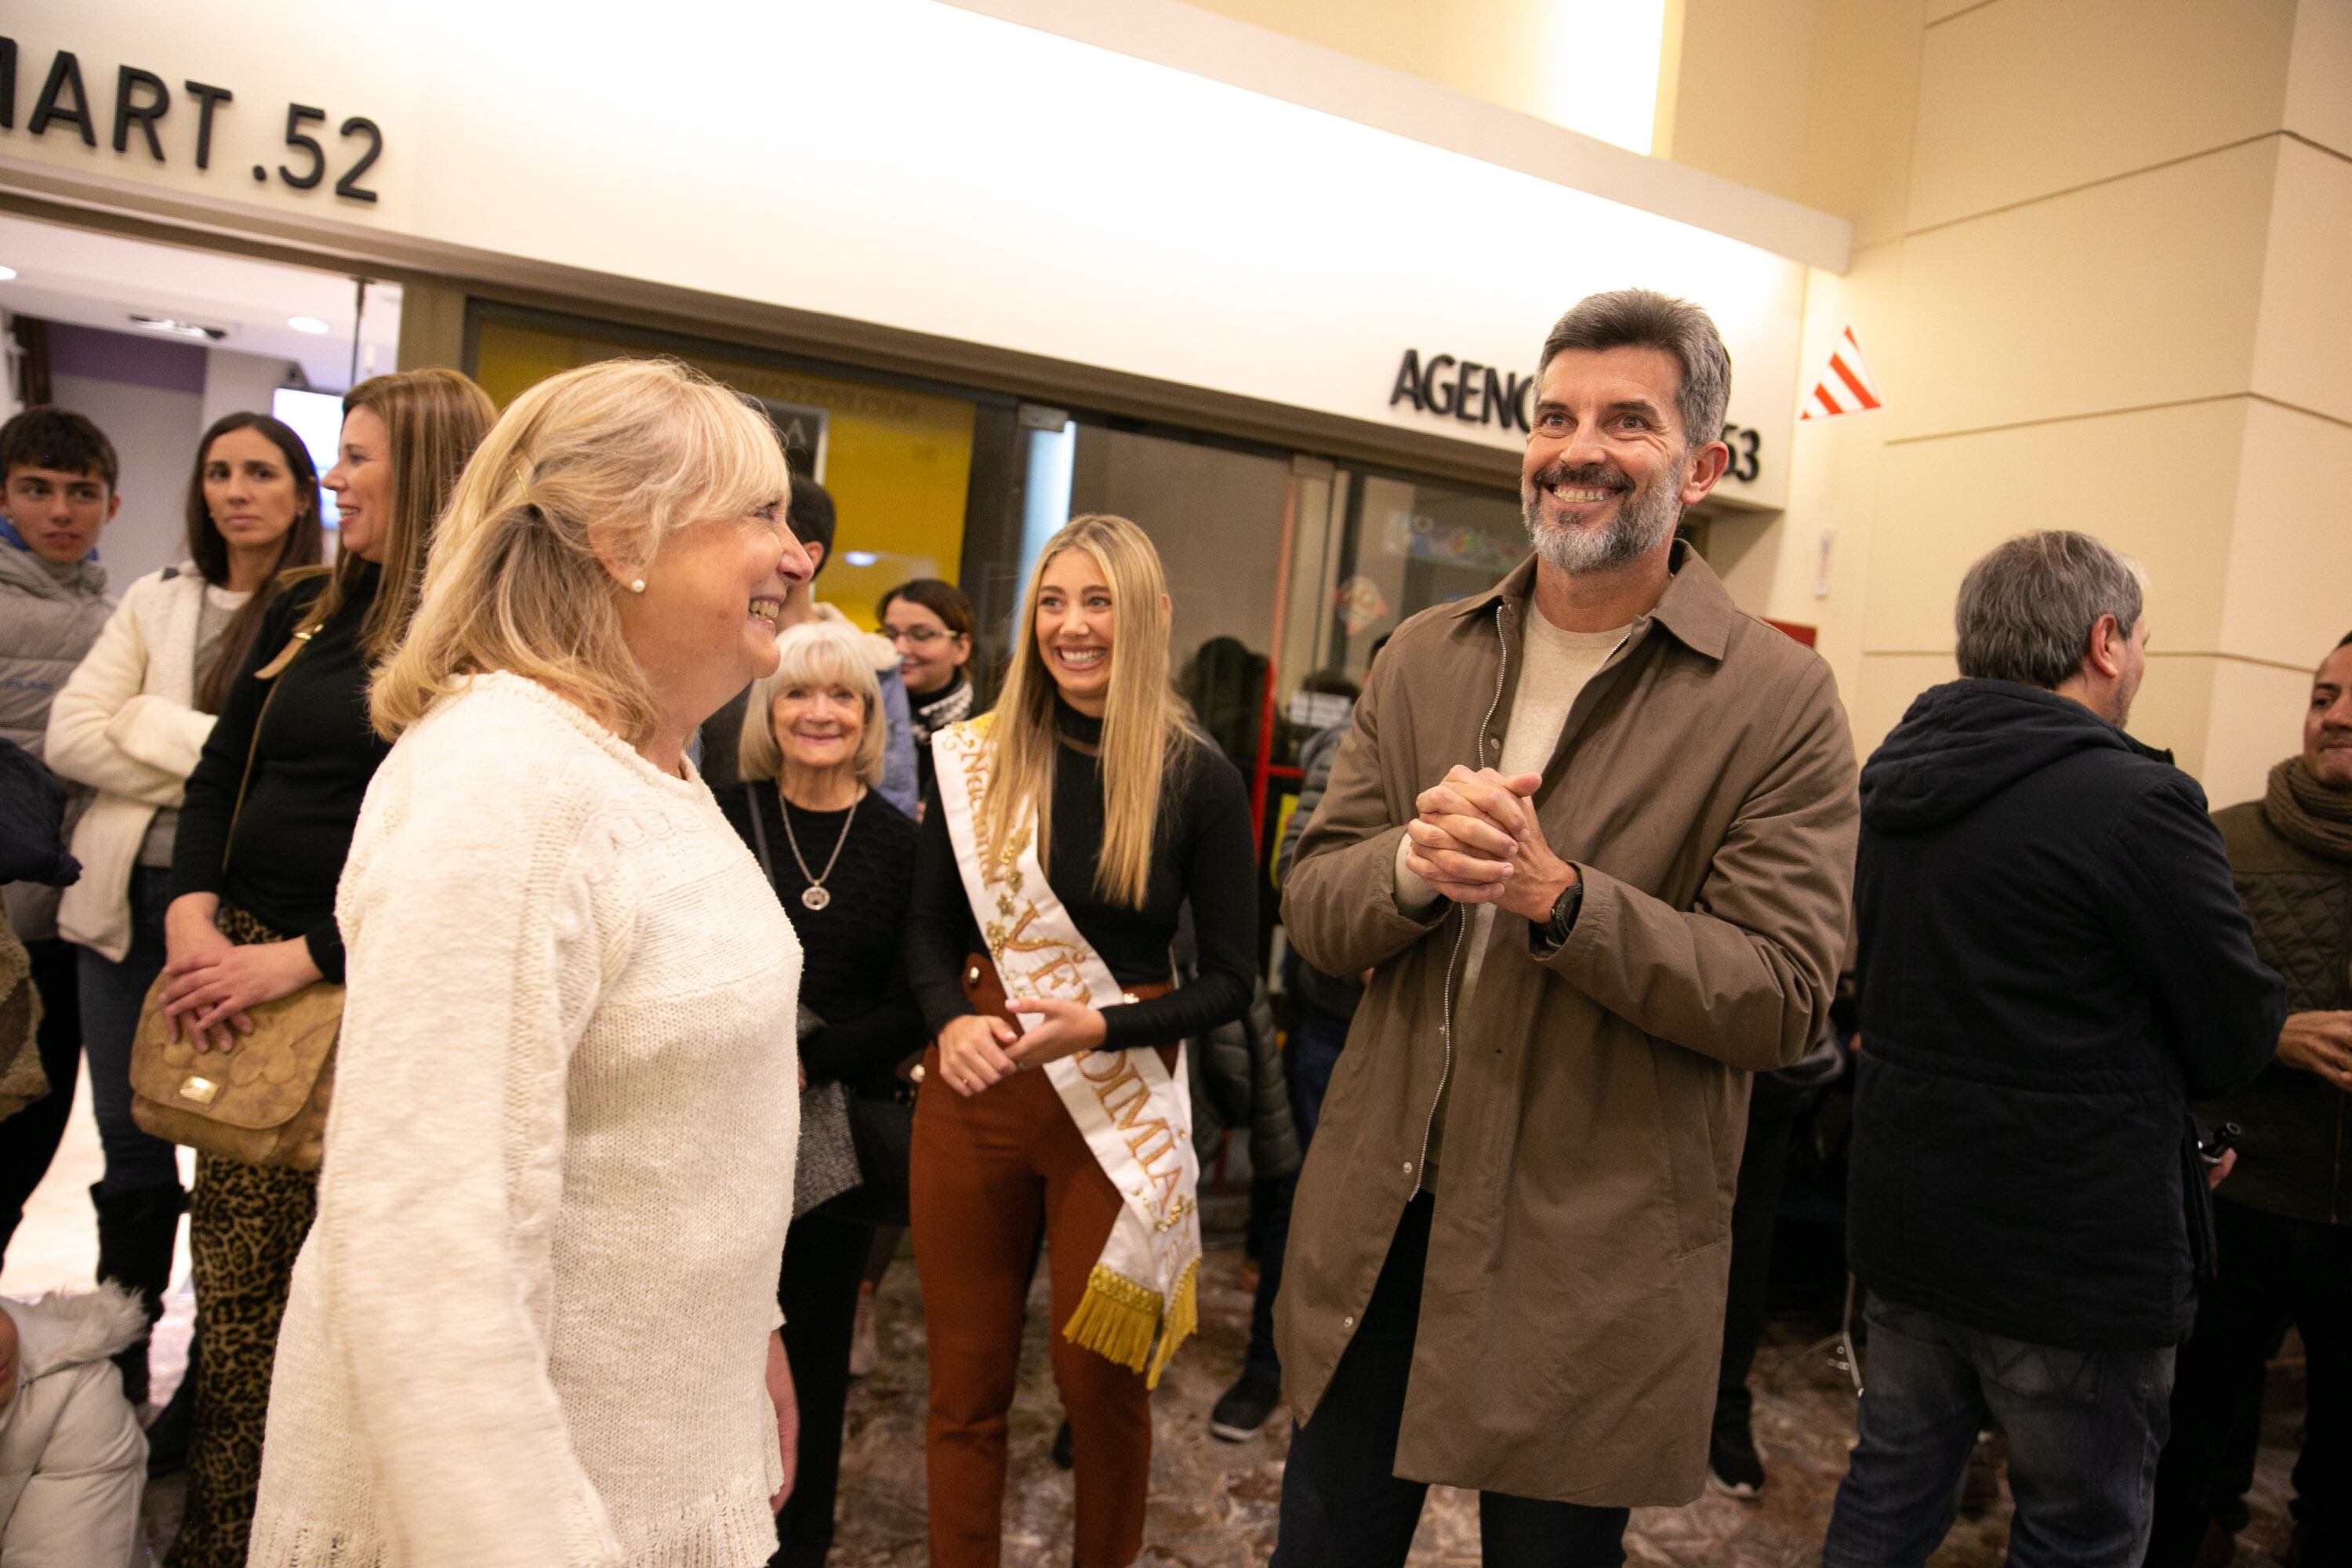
1473,393
142,101
1477,393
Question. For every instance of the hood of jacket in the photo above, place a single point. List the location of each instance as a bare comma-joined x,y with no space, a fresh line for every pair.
66,1328
20,568
1965,742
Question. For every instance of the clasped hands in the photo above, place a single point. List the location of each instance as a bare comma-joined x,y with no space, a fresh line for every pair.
216,983
977,1051
1476,841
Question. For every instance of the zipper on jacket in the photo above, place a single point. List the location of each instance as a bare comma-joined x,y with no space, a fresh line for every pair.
1462,928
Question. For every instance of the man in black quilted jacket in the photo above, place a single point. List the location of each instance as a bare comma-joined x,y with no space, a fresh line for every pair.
2285,1221
2052,964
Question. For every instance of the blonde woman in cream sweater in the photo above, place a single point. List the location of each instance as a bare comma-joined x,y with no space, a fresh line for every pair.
535,1321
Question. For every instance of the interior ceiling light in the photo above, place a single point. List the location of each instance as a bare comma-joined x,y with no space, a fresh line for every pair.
860,557
308,324
6,274
203,335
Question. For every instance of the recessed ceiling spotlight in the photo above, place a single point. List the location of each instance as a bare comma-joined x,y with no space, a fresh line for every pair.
202,333
860,557
308,324
6,273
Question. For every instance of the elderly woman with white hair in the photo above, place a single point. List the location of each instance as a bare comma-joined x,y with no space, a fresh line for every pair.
842,860
535,1318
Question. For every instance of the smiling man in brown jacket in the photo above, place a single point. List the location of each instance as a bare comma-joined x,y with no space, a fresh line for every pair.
1594,834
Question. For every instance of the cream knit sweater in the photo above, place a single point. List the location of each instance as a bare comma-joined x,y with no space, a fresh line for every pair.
529,1326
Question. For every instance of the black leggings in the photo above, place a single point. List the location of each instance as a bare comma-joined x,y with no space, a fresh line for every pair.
825,1261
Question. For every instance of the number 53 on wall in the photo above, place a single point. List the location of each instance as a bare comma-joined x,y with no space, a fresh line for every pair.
1745,444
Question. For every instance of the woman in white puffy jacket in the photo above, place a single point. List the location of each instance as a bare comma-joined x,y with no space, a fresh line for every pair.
73,1465
130,722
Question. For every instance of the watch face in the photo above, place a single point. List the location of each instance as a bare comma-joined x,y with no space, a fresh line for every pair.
1563,909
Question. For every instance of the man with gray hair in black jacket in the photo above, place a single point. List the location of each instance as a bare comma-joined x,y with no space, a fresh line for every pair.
2053,962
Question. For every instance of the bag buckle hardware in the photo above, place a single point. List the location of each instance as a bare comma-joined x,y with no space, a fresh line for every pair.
203,1090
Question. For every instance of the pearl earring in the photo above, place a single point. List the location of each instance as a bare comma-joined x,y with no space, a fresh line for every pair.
637,584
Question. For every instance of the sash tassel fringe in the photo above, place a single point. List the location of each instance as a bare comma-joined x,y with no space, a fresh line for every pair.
1118,1318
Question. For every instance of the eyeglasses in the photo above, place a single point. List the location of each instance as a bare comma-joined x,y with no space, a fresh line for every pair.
921,637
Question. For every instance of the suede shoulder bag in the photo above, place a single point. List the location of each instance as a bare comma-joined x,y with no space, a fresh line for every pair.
264,1102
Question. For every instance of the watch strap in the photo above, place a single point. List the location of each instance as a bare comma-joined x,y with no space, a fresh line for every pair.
1553,934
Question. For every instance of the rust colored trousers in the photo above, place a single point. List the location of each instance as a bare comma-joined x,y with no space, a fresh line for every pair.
986,1173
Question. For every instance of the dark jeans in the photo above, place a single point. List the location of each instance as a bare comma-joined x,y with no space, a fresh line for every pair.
111,997
1259,1363
1773,1109
29,1138
1316,1039
2274,1271
825,1261
1343,1505
2084,1428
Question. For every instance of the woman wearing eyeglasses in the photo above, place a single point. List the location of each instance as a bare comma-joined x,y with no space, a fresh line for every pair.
930,623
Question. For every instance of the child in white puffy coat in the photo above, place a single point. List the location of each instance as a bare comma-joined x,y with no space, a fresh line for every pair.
73,1462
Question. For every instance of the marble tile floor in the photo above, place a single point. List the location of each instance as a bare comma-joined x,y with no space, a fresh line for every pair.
1213,1503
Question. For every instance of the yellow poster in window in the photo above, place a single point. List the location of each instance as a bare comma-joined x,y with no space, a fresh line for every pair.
897,464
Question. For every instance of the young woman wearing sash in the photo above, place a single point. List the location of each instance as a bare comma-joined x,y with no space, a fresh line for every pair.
1065,831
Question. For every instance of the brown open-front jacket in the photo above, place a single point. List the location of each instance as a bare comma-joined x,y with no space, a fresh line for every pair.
1572,1318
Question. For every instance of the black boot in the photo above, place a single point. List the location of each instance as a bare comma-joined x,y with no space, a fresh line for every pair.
136,1231
168,1434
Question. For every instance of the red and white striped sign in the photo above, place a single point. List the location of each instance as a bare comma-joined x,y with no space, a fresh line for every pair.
1847,386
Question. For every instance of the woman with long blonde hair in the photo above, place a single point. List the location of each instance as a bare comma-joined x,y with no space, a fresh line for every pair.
263,834
1064,833
535,1321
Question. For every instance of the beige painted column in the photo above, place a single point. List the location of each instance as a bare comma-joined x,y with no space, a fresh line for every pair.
2117,303
431,325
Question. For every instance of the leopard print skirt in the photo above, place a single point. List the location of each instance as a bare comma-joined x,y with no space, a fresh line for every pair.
246,1226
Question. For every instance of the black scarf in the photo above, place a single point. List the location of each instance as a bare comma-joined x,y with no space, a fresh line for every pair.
953,705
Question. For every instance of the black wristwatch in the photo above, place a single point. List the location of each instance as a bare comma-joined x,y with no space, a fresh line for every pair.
1547,937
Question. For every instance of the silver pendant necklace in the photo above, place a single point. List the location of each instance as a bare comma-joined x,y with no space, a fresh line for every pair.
813,896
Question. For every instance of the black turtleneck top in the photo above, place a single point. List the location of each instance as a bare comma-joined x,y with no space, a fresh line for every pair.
315,753
1203,855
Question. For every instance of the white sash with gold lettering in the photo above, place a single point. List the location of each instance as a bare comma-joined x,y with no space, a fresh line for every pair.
1136,1115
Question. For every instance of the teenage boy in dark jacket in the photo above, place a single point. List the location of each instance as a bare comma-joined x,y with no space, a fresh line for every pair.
2285,1222
57,496
2052,962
